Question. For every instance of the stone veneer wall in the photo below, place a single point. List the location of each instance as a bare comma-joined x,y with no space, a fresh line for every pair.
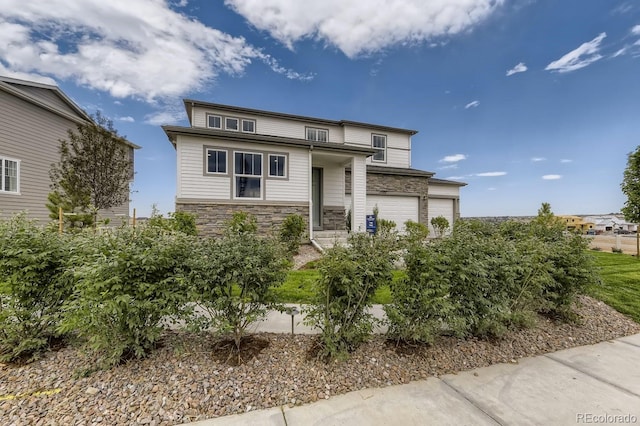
378,183
334,218
211,217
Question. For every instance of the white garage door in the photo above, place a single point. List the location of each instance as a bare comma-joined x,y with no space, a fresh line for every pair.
396,208
440,207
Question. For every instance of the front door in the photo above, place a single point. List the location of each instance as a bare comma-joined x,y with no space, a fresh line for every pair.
316,193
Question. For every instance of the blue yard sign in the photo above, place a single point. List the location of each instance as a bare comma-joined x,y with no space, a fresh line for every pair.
371,223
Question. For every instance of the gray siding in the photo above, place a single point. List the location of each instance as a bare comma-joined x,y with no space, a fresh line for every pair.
31,134
47,96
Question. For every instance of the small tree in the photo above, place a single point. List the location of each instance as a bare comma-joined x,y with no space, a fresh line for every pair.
94,168
440,225
631,188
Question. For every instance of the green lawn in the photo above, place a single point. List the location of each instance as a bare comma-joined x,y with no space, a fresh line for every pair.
620,284
298,288
620,287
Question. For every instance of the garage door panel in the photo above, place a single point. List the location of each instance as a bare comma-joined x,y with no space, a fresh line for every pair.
440,207
396,208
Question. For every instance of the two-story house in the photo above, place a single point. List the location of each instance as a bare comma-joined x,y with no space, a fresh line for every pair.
34,117
272,164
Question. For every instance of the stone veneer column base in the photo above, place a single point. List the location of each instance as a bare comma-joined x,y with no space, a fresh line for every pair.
334,218
211,218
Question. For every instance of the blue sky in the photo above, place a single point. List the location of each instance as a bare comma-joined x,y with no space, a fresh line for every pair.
527,101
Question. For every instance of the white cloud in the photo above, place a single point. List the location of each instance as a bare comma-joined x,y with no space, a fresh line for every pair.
538,159
521,67
552,177
584,55
490,174
635,30
455,177
450,166
566,160
141,49
160,118
453,158
472,104
127,119
491,189
360,27
620,52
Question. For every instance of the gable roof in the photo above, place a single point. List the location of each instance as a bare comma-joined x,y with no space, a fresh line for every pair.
45,96
50,98
188,103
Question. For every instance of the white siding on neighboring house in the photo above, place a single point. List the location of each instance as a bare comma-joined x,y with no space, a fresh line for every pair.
440,207
193,183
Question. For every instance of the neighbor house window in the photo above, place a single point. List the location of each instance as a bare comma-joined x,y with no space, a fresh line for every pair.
277,165
216,161
249,126
9,174
214,121
317,135
248,175
379,144
231,123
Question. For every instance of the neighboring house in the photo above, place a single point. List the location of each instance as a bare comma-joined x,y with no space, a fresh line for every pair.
610,223
33,119
272,164
577,223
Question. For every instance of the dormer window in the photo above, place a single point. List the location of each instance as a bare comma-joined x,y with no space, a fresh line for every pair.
214,121
317,135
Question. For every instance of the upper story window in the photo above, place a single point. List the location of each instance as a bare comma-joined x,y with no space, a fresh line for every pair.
277,165
216,161
231,123
9,175
214,121
317,135
248,175
248,126
379,144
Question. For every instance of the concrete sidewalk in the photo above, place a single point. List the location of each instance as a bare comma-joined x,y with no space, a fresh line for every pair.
597,384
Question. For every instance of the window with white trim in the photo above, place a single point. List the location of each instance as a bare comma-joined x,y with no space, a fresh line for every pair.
248,126
214,121
231,123
248,175
9,175
317,135
216,161
277,165
379,144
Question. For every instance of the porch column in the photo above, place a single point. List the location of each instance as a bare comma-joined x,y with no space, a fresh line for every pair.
310,189
358,194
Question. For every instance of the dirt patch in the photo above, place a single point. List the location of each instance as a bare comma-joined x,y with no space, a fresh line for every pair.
606,242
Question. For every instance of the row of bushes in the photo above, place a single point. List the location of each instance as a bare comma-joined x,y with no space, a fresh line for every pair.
116,290
480,280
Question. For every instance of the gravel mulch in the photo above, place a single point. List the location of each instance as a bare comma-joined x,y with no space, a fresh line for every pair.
185,379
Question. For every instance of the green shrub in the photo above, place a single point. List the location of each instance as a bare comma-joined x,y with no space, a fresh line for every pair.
127,282
421,304
242,223
32,287
348,280
177,222
616,250
385,226
440,225
291,232
232,280
415,231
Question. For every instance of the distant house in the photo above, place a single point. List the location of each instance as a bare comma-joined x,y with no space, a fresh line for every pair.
33,118
577,223
272,164
611,223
